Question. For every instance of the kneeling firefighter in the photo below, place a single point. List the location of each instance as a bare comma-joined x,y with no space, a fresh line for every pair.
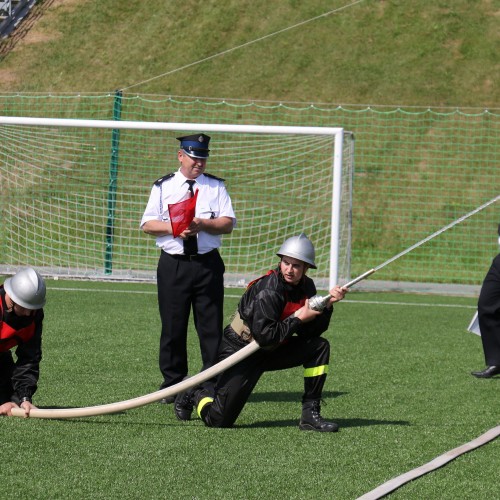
274,311
22,298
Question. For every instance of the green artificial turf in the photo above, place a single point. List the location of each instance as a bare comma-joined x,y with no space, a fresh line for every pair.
399,385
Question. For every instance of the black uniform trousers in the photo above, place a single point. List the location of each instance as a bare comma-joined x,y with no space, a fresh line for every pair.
235,385
185,283
489,314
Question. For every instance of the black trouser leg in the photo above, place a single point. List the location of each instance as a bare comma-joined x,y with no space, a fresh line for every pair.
313,387
208,307
174,302
182,284
236,384
313,354
232,391
489,314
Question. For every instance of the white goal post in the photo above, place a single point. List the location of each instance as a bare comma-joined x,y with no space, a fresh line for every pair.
75,191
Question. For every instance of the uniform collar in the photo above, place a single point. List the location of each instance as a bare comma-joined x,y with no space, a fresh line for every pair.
181,179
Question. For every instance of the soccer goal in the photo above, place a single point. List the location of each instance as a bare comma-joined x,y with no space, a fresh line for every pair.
74,192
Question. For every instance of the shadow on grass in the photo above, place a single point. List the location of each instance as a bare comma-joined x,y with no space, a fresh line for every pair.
343,423
260,397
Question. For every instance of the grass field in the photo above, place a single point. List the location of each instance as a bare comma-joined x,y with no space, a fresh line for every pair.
399,386
422,53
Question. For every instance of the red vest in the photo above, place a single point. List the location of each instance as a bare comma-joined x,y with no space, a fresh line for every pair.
291,307
9,337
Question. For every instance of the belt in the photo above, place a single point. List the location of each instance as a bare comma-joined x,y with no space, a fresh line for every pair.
198,256
241,328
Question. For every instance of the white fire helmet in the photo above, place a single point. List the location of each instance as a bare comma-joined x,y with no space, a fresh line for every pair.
299,247
26,288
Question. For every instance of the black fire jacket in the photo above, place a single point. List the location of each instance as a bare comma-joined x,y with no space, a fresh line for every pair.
262,306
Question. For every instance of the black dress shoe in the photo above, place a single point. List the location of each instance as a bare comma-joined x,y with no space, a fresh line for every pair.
488,372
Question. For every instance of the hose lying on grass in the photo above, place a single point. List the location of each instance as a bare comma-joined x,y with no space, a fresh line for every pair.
91,411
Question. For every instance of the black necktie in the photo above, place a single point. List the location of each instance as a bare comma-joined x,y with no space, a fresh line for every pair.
191,244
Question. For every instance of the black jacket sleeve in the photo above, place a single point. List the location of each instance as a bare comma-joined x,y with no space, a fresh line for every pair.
27,369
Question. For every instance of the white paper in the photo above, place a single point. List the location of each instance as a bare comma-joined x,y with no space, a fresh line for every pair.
474,325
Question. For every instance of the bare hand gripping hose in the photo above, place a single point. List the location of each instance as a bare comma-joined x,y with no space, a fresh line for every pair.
317,302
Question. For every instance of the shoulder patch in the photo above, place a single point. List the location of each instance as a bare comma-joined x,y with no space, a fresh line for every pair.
164,178
214,177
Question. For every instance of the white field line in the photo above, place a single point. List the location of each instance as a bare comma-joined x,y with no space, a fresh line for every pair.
231,296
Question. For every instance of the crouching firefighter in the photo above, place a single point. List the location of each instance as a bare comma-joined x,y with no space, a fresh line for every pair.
22,298
274,311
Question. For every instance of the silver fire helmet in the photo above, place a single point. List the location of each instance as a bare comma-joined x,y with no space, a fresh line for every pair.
299,247
26,288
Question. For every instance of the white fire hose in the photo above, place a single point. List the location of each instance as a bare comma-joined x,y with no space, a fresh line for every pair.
189,383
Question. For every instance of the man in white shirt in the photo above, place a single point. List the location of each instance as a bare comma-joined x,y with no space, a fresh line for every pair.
190,271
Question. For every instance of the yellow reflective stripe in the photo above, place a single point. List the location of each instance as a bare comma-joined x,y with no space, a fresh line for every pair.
202,403
316,371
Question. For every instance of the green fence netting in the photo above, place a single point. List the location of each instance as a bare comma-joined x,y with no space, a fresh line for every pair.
415,170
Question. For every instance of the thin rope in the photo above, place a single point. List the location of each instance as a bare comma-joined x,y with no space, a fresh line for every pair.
391,485
224,52
437,233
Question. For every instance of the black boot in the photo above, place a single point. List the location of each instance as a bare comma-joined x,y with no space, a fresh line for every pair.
183,405
311,419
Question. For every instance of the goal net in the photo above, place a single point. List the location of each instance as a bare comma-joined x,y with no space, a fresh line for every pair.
74,192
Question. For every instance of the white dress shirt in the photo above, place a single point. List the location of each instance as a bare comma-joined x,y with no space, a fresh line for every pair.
213,201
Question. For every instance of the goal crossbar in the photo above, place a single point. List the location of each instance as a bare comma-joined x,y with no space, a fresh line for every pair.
140,125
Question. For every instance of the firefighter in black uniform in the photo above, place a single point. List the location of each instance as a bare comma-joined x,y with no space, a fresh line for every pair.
274,311
488,308
190,271
22,298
